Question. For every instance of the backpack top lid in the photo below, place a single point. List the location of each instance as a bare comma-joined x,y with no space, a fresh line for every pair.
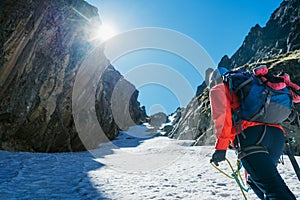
260,70
222,70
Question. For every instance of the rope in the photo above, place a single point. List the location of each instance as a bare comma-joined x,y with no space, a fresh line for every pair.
228,176
236,175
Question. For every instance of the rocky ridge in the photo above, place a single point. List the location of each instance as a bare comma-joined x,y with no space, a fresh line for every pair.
280,35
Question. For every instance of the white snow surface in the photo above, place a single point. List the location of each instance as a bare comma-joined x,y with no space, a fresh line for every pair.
137,165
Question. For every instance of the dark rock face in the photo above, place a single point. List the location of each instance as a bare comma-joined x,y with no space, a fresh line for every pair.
43,44
194,119
112,117
279,36
201,88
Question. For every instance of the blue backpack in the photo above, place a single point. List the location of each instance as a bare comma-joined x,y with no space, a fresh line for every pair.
259,102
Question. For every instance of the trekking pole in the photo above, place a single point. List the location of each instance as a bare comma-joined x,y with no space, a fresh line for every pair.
291,155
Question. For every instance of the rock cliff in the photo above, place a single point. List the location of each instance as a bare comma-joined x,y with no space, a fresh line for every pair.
42,46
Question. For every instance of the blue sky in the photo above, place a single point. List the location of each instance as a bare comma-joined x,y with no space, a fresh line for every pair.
219,26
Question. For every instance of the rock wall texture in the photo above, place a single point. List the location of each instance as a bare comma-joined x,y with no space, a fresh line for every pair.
42,46
280,35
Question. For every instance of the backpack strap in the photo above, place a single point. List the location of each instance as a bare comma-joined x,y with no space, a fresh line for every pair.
237,123
261,111
262,135
243,84
228,81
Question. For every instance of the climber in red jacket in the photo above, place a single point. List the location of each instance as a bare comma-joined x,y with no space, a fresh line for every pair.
260,164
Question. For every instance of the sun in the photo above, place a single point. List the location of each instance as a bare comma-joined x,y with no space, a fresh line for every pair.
103,32
107,31
99,30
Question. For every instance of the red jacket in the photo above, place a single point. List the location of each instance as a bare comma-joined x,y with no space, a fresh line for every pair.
222,103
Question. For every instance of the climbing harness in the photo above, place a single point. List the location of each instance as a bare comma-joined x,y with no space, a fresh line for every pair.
246,151
242,152
236,175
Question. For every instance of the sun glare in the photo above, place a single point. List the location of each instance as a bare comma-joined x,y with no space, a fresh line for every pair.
102,32
105,31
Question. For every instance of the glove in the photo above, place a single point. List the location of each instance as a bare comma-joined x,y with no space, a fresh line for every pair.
218,156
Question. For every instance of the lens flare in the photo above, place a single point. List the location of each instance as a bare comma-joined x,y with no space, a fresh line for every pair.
104,32
107,31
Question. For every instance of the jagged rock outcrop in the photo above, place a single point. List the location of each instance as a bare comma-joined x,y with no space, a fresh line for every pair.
280,35
111,108
42,46
194,119
157,119
275,45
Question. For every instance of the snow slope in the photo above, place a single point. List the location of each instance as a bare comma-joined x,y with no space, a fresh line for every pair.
136,165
